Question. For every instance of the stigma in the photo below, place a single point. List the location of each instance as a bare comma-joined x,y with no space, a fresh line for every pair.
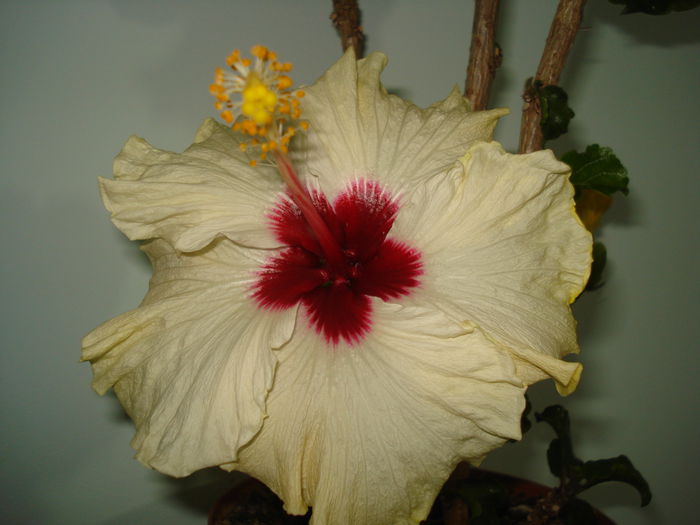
257,98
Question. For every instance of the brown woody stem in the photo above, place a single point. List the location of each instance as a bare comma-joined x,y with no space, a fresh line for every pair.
484,56
562,33
346,19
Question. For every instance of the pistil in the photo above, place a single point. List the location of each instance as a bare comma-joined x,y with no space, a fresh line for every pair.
266,112
329,244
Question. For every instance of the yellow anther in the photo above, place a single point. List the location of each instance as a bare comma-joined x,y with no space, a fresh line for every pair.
300,94
234,57
304,125
227,116
245,62
265,147
284,82
259,51
253,163
216,89
249,127
243,146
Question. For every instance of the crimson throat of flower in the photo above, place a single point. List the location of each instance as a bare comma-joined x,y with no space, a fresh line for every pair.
335,257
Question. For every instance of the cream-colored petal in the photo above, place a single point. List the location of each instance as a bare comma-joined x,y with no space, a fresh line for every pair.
192,198
193,364
359,130
368,434
502,248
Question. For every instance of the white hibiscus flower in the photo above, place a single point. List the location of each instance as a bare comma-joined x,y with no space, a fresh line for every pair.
349,370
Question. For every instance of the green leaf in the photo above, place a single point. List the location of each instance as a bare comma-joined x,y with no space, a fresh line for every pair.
655,7
555,111
597,168
560,454
577,476
600,257
558,418
615,469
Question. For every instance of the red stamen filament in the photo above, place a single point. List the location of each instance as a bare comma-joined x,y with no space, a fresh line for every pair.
300,195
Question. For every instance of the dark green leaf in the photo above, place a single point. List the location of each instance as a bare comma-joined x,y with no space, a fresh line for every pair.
600,256
560,454
598,169
656,7
577,476
555,457
555,111
558,418
525,423
615,469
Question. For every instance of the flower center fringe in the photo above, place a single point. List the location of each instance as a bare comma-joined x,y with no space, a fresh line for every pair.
335,288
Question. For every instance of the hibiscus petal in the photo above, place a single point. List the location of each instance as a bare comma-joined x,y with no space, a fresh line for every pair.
339,313
193,364
286,277
502,248
359,130
190,199
367,435
292,229
366,213
392,273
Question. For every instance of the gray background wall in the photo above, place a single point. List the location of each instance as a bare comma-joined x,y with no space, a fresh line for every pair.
78,77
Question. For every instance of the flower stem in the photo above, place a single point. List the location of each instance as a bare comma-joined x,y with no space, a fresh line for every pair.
329,245
561,37
484,56
346,19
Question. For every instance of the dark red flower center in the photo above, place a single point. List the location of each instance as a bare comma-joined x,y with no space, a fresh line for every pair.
335,288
